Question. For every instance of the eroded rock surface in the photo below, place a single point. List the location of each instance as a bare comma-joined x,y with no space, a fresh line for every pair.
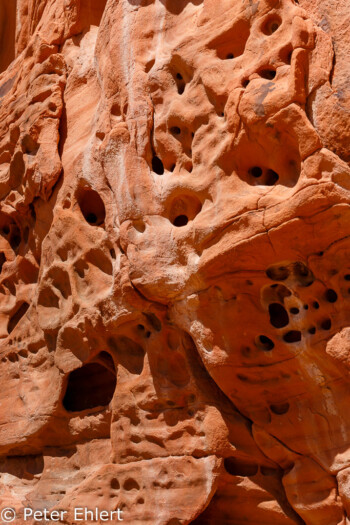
175,276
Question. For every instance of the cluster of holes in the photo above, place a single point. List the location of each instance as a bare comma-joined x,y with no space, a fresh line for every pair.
262,176
91,386
91,206
279,317
297,271
31,348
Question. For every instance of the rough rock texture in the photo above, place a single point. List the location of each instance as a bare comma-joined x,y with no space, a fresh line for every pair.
174,252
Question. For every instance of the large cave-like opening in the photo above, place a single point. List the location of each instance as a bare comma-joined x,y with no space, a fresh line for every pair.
92,385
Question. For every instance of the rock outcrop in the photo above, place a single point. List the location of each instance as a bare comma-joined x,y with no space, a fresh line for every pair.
174,253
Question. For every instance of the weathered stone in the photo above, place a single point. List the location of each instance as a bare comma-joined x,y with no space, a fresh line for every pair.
175,284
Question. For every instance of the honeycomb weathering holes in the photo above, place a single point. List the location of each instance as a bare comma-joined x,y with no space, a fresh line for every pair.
91,206
92,385
297,271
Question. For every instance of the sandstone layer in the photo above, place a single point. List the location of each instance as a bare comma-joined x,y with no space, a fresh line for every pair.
174,253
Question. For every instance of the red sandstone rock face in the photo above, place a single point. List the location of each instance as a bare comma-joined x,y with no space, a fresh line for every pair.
175,284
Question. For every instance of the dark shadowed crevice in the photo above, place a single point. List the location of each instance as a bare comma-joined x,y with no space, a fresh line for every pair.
91,386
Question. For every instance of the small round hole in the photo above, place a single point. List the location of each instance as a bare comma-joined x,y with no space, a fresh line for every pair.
91,218
331,296
180,220
312,330
256,172
179,76
175,130
294,310
157,165
268,74
6,230
294,336
280,409
271,26
347,277
181,89
264,343
326,324
230,56
315,305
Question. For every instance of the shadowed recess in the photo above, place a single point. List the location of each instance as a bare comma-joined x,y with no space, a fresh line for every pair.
91,386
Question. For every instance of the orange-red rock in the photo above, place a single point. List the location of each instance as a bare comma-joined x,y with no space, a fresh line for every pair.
174,252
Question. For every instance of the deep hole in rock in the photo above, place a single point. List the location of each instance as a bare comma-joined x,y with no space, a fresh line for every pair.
312,330
90,386
267,74
302,274
277,273
157,165
239,467
92,207
271,177
347,277
230,56
16,317
2,260
278,315
264,343
326,324
331,296
175,130
315,305
294,310
280,409
180,220
256,172
294,336
271,25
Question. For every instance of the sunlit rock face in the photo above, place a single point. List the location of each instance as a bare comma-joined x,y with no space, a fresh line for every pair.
174,252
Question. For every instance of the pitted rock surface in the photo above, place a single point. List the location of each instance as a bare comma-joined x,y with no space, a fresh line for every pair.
174,253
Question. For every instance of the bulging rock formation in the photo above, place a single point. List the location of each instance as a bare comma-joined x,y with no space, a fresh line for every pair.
174,252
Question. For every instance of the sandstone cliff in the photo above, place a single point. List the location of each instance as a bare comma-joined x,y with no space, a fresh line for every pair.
174,253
